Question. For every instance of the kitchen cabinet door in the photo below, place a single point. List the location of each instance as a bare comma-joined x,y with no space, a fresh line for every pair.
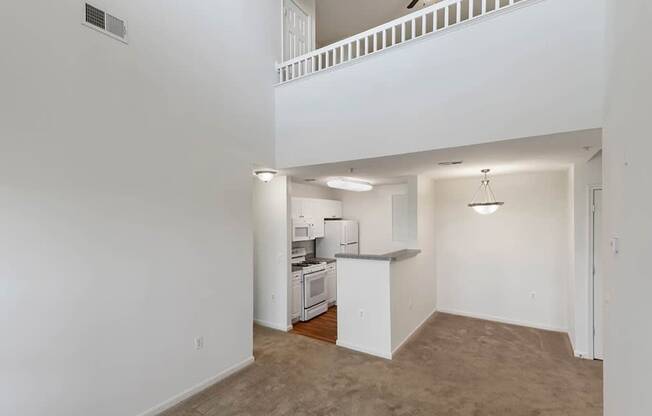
297,208
332,209
296,299
331,281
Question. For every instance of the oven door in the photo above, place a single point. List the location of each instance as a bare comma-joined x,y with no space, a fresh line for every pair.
314,289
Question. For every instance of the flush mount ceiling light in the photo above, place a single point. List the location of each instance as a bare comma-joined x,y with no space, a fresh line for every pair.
349,185
484,201
265,175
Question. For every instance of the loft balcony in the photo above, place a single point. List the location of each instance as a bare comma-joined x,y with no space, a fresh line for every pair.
456,73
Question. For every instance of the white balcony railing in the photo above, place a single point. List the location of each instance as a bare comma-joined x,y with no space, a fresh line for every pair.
429,20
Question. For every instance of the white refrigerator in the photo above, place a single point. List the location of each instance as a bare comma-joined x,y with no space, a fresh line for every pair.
340,236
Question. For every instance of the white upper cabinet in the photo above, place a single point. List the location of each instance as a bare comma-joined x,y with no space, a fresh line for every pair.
315,211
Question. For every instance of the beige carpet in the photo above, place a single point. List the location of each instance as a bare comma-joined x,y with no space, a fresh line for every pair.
453,366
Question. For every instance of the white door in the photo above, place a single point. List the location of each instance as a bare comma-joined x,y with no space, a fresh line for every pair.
598,292
297,31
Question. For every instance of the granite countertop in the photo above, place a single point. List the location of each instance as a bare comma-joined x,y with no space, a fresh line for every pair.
393,256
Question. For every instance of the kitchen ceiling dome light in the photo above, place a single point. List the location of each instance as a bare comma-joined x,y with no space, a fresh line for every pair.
265,175
349,185
484,201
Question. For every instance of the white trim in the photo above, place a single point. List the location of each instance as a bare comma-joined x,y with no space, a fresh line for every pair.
385,355
197,388
504,320
272,325
591,323
402,343
582,355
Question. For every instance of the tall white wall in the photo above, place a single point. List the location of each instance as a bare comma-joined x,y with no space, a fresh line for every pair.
519,74
272,245
627,149
125,180
585,175
488,266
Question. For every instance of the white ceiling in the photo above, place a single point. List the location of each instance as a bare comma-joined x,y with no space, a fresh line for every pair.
339,19
552,152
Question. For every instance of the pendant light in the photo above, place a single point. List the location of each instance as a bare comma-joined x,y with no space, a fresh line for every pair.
484,201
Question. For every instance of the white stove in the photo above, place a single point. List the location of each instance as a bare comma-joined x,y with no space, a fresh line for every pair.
313,283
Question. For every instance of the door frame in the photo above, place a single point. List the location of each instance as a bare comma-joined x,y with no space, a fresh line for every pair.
591,196
313,27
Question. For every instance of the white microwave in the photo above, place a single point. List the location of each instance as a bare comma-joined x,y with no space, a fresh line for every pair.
302,230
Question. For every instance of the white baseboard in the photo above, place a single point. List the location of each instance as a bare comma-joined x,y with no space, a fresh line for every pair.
386,355
503,320
583,355
272,325
197,388
414,331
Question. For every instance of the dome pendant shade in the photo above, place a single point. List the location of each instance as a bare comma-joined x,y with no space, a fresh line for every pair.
484,201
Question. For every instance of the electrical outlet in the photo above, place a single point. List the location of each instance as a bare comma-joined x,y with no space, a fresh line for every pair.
361,312
411,304
533,295
273,298
199,343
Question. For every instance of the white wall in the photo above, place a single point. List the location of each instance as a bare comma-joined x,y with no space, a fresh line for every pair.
272,245
520,74
373,211
303,190
487,266
626,152
364,312
125,181
585,175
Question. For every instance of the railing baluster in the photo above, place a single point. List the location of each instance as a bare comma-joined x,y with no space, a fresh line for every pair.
446,17
424,22
484,7
413,23
471,7
458,9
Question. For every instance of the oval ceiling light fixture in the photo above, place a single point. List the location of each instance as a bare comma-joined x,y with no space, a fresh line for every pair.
265,175
487,203
349,185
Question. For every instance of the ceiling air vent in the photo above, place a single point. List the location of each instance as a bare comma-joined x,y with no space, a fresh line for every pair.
104,22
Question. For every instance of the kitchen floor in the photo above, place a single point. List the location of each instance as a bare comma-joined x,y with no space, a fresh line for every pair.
323,327
454,366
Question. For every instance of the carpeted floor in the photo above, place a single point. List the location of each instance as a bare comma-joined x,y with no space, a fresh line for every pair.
454,366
